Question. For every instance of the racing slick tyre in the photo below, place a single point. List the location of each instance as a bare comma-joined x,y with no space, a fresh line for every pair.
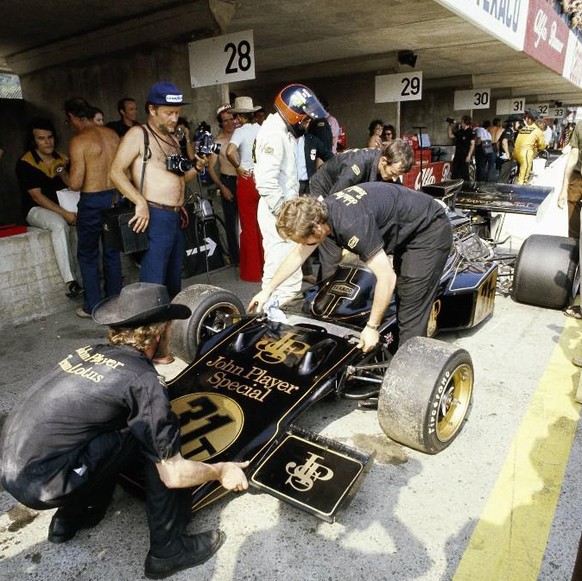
426,394
545,271
212,309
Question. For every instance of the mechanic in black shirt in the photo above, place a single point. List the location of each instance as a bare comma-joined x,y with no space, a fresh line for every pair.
374,220
65,442
352,167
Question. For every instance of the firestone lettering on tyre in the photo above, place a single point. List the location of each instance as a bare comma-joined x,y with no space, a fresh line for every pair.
432,422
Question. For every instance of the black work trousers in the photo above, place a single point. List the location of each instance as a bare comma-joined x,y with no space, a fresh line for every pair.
419,267
89,477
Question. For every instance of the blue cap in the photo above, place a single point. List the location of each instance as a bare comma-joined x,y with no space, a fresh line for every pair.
164,93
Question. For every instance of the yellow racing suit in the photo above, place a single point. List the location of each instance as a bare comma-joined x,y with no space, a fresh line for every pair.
529,140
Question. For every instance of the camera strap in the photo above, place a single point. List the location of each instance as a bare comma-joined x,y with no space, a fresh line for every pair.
147,154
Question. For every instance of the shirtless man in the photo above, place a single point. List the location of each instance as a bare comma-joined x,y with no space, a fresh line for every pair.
225,178
158,206
92,150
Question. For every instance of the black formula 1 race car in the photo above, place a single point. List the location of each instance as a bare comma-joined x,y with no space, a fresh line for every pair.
250,377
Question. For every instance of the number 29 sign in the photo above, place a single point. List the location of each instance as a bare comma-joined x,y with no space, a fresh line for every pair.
399,87
222,59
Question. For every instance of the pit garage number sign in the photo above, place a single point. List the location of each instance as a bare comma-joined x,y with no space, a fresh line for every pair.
222,59
472,99
510,106
399,87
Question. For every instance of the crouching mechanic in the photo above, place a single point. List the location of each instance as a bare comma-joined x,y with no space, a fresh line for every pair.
374,220
65,442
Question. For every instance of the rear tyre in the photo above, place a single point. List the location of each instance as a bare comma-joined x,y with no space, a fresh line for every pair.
426,394
213,309
545,272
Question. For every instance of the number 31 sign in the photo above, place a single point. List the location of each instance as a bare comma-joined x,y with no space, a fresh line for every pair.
399,87
222,59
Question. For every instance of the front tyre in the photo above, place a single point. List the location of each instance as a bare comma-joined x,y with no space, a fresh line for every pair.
213,309
426,394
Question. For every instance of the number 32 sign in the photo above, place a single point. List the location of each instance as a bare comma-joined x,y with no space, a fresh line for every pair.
222,59
399,87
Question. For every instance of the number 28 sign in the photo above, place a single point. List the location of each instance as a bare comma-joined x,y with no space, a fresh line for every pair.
222,59
399,87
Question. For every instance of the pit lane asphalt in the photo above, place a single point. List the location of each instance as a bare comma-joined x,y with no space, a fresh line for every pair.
503,502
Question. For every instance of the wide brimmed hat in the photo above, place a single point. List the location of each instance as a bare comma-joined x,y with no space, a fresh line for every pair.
164,93
515,117
532,114
244,105
140,303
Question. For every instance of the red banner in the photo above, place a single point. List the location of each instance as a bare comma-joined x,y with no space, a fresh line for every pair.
546,36
432,173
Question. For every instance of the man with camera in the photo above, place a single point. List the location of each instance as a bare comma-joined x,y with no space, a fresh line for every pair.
157,184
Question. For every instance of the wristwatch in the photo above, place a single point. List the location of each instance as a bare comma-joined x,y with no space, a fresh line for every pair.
370,326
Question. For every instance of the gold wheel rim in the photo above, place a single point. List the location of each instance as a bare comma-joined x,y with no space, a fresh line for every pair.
454,402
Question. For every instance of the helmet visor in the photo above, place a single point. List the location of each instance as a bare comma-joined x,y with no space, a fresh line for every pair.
301,100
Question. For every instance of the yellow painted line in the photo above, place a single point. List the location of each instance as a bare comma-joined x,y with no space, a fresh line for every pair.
509,540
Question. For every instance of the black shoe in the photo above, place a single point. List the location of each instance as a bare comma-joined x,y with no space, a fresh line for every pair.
74,290
196,550
65,523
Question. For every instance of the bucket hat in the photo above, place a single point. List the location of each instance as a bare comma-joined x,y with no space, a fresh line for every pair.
164,93
140,303
244,105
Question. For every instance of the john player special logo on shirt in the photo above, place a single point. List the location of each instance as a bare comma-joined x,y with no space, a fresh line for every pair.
89,360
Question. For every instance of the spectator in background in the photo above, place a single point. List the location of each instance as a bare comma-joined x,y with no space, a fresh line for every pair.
484,153
529,140
40,176
506,145
127,109
185,138
464,137
92,150
388,134
98,118
547,130
240,154
375,130
225,179
496,130
322,130
260,116
333,124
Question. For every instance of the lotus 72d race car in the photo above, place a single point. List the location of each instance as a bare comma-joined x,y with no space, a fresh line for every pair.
251,376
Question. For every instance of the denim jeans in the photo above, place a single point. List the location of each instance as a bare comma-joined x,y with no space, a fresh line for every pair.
162,262
90,234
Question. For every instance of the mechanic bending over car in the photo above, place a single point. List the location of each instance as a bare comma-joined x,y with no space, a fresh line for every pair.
374,220
65,442
353,167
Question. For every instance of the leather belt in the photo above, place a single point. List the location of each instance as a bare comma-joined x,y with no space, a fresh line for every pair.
164,207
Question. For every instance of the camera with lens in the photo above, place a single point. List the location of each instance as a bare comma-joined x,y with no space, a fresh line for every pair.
179,164
205,144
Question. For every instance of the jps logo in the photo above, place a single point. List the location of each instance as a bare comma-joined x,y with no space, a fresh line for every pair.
302,477
277,350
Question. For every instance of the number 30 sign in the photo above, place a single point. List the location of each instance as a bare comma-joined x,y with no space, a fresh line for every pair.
222,59
399,87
